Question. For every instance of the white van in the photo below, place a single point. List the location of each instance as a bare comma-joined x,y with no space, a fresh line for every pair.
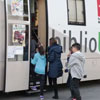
68,20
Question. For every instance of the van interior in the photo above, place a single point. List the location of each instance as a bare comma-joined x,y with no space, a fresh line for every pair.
38,31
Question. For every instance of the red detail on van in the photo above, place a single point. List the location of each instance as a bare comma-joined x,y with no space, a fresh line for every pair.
18,36
98,2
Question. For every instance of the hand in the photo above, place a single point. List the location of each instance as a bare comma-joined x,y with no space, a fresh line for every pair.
66,70
40,44
36,50
85,76
46,53
69,54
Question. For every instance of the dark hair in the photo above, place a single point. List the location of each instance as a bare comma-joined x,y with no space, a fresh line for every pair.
41,50
77,46
53,41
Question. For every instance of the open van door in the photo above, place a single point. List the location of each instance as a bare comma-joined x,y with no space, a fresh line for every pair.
17,45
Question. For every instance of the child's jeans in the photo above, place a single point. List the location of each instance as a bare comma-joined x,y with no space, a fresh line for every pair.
42,83
33,74
74,87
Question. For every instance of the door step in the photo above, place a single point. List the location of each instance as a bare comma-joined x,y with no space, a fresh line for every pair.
33,92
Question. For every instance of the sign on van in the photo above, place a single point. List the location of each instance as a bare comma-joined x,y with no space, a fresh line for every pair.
17,7
98,5
14,50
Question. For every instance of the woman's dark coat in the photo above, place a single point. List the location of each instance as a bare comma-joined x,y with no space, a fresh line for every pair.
54,58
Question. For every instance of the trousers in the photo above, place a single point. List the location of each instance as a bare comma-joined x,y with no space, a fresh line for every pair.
53,83
74,87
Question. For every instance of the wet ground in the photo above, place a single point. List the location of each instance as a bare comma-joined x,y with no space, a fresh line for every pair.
89,91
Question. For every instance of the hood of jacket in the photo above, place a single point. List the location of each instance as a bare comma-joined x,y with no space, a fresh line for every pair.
57,48
79,55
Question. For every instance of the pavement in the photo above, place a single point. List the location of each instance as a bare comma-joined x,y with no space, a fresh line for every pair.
89,91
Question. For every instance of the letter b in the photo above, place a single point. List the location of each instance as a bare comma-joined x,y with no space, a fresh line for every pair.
71,39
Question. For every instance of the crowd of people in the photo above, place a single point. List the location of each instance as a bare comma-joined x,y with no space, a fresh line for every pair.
75,61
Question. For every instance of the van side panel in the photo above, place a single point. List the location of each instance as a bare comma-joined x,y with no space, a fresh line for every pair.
67,28
2,43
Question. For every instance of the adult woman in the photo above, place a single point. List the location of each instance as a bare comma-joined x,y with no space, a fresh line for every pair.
55,65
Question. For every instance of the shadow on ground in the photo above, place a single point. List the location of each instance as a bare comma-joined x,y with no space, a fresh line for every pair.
89,91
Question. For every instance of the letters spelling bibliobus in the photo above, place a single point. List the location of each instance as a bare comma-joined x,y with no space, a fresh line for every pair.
90,44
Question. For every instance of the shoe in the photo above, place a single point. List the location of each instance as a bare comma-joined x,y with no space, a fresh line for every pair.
55,97
34,88
41,97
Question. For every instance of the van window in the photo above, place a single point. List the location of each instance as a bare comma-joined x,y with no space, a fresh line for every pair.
76,12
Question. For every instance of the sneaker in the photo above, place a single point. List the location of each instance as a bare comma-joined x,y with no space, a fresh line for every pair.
34,88
41,97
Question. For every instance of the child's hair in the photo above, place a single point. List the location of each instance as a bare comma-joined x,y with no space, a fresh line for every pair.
41,50
77,46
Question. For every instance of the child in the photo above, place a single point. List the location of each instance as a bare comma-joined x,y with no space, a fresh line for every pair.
76,70
40,64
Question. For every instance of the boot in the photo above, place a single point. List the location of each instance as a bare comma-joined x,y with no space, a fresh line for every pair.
56,94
